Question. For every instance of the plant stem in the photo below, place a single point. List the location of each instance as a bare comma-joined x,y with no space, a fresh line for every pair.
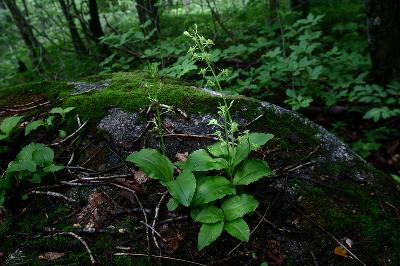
160,129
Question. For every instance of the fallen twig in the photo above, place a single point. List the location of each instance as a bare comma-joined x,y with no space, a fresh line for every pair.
83,243
23,105
157,210
24,109
297,165
70,136
254,120
191,136
97,178
52,194
141,207
159,257
272,224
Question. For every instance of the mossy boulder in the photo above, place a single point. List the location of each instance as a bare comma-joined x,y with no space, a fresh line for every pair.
322,191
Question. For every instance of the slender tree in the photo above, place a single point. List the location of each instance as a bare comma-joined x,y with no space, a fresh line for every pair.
302,6
94,21
273,6
383,20
36,50
95,28
148,12
76,38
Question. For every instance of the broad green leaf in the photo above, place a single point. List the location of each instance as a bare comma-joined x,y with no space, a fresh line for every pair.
396,178
53,168
211,188
210,214
183,187
238,228
200,160
153,164
251,171
61,111
56,110
237,206
208,234
18,166
172,204
27,152
218,149
248,143
9,123
43,156
33,126
68,109
2,137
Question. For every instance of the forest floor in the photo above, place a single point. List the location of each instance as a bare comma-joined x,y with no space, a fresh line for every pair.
101,209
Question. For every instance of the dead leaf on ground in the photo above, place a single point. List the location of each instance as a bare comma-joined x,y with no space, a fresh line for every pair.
340,251
181,156
140,177
98,208
274,252
173,236
49,256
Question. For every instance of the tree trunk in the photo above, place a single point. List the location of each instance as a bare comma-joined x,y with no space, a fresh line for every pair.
301,6
383,20
94,21
273,6
36,50
148,11
95,27
76,39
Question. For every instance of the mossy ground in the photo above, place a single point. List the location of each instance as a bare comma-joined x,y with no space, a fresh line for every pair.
343,207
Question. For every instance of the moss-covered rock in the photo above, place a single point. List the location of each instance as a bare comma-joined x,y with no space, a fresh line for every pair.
322,191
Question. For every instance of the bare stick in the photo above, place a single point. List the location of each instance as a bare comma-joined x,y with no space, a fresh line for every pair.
82,169
83,243
172,220
97,178
27,108
153,231
75,183
254,120
22,105
53,194
70,136
141,207
293,166
157,256
191,136
157,210
78,120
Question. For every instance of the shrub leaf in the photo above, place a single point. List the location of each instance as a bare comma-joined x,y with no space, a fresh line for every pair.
209,233
237,206
238,228
153,163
